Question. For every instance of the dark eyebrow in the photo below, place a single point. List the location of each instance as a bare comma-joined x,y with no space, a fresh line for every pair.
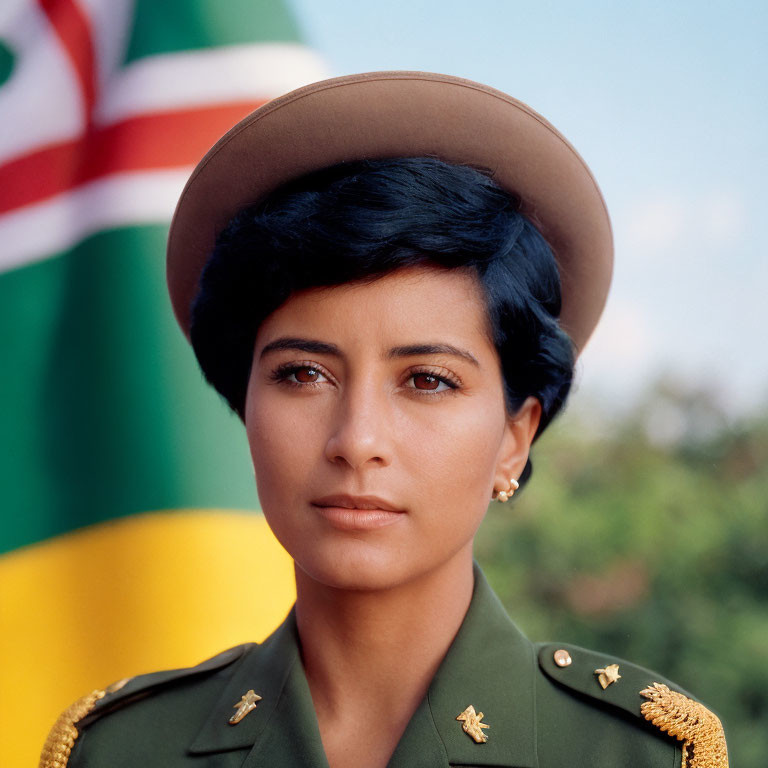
431,349
323,347
302,345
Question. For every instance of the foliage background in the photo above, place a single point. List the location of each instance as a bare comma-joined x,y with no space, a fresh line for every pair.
648,539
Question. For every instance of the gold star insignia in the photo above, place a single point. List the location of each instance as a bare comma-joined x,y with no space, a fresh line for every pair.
246,704
472,725
608,675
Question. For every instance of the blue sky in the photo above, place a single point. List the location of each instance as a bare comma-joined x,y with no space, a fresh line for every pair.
668,103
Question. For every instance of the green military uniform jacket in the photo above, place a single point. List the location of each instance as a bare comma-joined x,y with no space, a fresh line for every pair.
543,704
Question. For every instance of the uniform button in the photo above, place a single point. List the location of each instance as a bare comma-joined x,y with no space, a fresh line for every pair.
562,658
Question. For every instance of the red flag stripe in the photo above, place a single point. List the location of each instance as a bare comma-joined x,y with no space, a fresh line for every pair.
146,142
72,29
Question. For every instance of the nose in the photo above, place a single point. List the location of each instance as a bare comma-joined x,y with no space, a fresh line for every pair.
362,429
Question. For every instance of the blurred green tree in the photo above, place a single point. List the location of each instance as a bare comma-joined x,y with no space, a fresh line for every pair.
648,540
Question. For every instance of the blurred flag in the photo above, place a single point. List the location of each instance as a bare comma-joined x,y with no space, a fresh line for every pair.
116,462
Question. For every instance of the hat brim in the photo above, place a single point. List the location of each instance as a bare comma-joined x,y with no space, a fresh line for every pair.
402,114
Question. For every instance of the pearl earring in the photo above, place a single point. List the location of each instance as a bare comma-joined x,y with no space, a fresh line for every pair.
504,496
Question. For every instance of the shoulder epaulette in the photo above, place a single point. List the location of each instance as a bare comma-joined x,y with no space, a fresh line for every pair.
90,707
643,694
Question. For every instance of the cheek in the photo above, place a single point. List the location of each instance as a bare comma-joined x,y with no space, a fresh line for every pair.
278,439
451,463
282,458
453,455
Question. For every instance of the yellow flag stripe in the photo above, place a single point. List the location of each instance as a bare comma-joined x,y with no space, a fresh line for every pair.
138,594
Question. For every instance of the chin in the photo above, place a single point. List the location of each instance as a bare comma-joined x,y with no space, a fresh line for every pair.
358,567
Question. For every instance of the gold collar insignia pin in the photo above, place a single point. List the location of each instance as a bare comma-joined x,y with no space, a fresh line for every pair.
246,704
608,675
472,725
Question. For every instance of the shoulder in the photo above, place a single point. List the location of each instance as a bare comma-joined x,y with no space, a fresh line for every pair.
619,713
111,718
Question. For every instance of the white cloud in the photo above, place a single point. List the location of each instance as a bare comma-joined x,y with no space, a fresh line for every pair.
620,355
723,216
681,221
657,222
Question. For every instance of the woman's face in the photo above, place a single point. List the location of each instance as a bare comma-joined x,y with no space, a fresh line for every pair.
388,389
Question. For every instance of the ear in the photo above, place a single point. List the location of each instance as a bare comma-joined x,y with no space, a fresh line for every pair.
516,444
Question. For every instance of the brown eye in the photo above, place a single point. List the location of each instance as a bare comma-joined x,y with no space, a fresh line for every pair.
299,375
426,381
306,375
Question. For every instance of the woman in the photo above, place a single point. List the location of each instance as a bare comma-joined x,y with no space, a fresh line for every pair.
369,270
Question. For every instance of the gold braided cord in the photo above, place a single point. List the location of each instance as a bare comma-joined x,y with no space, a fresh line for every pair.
62,737
688,721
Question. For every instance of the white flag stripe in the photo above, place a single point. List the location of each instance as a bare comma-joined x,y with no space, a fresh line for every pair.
208,76
36,232
41,102
10,10
111,22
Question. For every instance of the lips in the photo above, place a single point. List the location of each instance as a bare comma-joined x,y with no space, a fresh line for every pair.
356,502
358,513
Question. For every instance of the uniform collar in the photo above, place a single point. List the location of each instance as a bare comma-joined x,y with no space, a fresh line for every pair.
490,665
283,729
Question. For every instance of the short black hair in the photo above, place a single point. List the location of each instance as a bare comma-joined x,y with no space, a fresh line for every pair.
361,220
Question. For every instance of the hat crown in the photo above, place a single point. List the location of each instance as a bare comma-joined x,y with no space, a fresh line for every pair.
402,114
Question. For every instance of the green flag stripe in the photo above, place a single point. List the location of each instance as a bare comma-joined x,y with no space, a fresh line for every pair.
7,62
105,412
173,25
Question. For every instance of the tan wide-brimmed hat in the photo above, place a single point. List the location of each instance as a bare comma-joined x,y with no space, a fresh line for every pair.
402,114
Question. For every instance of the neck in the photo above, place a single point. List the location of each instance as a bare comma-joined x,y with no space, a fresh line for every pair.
379,649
